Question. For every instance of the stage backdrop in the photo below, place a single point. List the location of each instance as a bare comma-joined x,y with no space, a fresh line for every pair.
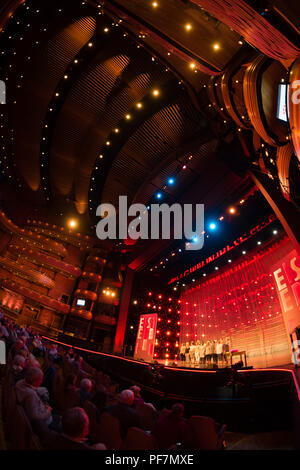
145,342
241,303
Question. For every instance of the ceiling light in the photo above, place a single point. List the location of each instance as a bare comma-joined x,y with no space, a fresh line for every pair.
72,223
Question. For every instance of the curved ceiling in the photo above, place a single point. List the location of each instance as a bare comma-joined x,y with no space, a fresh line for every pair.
106,98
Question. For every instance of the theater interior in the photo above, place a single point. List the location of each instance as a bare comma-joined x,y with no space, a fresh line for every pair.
183,102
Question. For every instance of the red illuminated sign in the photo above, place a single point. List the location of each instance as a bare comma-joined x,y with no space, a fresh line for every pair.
145,342
225,250
287,279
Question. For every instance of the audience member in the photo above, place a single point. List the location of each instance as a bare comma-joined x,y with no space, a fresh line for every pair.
85,390
172,428
137,396
124,412
28,397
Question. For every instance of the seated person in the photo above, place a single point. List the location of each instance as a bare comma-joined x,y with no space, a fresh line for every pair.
70,383
18,368
53,352
100,400
137,396
75,429
19,347
27,395
124,412
172,428
85,390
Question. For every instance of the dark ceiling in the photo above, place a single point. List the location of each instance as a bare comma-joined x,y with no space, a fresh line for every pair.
83,123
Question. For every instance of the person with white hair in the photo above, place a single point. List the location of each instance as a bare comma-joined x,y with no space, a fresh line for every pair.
137,396
124,412
84,392
28,397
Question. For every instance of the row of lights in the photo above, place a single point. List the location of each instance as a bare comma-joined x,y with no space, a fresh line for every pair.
212,227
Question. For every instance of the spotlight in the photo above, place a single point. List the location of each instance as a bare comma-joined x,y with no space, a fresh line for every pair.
171,181
72,223
188,27
155,92
275,232
213,226
158,196
216,46
232,210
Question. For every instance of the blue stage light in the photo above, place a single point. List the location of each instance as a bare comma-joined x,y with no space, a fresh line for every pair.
158,196
171,181
212,226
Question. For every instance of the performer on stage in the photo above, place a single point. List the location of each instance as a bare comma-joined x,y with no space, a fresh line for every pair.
187,353
208,352
226,349
192,353
219,351
202,353
197,353
182,352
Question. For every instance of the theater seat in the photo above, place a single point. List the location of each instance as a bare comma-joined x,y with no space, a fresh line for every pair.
95,427
147,415
55,441
207,435
137,439
110,432
23,437
69,399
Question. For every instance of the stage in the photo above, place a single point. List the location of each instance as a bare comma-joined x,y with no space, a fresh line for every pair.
258,400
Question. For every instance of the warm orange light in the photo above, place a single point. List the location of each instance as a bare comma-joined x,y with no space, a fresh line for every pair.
192,65
188,27
72,223
216,46
155,92
139,105
232,210
155,4
128,116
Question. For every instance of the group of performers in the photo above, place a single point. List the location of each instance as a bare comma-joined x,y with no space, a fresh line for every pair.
207,353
